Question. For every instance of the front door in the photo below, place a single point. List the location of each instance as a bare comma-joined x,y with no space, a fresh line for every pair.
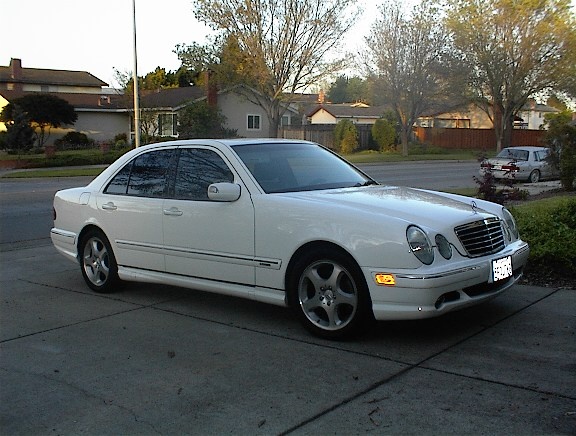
204,238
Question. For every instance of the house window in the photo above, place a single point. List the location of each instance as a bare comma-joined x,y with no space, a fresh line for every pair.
253,122
167,124
285,120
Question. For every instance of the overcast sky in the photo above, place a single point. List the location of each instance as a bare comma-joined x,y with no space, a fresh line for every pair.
97,35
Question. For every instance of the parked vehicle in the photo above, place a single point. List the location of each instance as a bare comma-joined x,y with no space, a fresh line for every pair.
530,164
289,223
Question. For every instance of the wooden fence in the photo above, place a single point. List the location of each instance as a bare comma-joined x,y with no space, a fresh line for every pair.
475,139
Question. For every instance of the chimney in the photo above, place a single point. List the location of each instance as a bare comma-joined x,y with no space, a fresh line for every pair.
211,89
16,73
321,97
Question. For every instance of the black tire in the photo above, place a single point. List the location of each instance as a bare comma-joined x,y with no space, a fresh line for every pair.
328,292
97,262
534,176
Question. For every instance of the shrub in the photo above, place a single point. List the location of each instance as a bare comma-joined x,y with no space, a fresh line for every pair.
73,141
384,133
121,140
561,138
550,229
346,137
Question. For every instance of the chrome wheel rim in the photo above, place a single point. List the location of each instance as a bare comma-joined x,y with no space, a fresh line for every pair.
96,261
328,295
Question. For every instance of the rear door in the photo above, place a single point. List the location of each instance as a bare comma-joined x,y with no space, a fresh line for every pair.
204,238
131,210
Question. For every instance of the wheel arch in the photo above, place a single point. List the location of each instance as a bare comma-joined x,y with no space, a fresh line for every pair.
86,229
308,247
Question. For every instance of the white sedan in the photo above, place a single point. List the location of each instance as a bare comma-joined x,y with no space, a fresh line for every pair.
289,223
530,164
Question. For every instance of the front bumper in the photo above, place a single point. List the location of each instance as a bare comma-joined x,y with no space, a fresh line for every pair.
432,293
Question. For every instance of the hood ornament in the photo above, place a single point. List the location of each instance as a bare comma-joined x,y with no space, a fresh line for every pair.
474,206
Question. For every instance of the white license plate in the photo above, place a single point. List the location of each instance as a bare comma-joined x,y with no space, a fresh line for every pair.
502,268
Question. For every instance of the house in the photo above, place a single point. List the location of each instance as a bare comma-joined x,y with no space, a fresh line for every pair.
358,113
532,115
467,116
104,113
101,111
470,116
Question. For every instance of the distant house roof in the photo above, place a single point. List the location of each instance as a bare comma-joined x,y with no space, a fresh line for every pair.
14,73
531,106
79,101
347,110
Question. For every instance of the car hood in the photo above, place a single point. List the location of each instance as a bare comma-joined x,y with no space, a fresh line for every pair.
427,208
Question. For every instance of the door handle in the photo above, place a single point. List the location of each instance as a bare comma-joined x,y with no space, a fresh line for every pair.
109,206
173,211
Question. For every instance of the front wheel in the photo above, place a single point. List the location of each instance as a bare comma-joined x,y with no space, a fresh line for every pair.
97,262
329,294
534,176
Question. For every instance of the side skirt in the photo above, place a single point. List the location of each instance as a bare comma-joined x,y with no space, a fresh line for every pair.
265,295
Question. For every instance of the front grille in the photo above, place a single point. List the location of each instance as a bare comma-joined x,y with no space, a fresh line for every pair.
481,237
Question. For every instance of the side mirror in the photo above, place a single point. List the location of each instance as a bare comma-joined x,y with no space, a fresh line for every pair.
224,191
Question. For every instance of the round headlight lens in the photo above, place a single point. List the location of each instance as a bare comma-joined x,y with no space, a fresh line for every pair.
510,222
444,246
420,245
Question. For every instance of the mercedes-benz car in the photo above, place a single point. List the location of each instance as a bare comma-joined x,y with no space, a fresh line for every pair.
530,164
289,223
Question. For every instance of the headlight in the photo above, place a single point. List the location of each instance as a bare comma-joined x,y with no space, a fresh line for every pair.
420,244
444,246
510,222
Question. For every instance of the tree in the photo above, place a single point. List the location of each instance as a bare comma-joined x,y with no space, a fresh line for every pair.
200,120
282,44
411,63
19,134
517,48
348,90
43,110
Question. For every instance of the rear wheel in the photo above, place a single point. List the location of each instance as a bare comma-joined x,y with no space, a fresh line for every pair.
97,262
534,176
329,294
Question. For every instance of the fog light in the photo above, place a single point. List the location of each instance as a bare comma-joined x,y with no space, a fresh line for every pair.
385,279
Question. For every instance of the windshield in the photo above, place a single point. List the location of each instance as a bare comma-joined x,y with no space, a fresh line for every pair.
294,167
511,153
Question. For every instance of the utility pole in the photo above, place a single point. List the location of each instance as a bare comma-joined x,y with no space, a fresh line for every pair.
135,87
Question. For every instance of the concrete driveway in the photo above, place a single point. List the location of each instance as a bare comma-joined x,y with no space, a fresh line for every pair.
161,360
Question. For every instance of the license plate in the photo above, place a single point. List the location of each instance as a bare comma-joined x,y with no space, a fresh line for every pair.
502,268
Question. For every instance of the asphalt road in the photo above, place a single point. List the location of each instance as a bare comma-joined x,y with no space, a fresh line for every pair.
26,204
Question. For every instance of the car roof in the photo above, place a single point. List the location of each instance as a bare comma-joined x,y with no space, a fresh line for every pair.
226,142
527,147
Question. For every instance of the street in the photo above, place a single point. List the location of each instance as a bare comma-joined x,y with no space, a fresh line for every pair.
26,204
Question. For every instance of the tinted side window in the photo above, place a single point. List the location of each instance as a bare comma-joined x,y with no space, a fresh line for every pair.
197,169
119,184
145,176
